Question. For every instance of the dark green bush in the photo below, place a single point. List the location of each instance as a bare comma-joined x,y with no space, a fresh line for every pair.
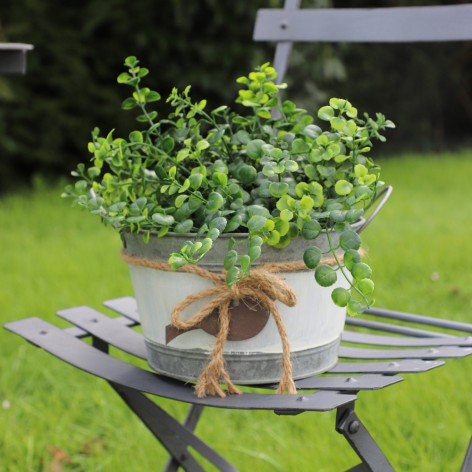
47,115
425,88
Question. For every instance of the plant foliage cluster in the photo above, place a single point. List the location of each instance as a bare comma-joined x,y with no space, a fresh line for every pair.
270,172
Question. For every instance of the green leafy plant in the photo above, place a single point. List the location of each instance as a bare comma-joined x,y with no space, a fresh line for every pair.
271,173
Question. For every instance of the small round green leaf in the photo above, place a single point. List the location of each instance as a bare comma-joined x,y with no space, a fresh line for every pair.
207,243
311,229
236,204
351,257
123,77
286,215
312,257
232,276
254,252
93,172
338,122
220,179
219,222
255,241
325,275
234,223
258,210
256,222
273,238
129,103
254,148
176,261
152,96
299,146
361,271
366,286
195,180
179,201
131,61
268,169
278,189
340,296
162,219
215,201
213,234
245,262
325,113
293,231
343,187
194,203
172,171
338,216
269,225
247,174
230,259
354,308
184,226
353,215
136,136
291,166
310,171
202,144
196,246
360,170
306,203
282,226
349,240
163,231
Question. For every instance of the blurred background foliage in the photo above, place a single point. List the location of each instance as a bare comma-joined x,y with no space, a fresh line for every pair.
46,116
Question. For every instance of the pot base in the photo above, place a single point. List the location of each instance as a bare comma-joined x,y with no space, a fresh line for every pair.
243,368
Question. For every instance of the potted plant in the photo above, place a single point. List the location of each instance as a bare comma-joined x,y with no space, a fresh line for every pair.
240,225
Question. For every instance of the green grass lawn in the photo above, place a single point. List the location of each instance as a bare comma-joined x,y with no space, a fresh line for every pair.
54,417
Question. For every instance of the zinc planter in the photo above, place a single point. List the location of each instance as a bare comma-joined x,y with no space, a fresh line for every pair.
253,349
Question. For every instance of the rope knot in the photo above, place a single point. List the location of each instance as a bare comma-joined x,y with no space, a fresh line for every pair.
235,292
261,285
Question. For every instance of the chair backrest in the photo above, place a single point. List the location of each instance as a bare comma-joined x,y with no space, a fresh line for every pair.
388,25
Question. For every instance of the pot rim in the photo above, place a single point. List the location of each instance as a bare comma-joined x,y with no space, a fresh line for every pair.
359,224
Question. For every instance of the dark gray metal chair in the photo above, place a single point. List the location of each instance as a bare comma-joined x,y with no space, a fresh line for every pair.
412,350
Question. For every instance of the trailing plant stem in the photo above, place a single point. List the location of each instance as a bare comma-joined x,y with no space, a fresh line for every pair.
341,267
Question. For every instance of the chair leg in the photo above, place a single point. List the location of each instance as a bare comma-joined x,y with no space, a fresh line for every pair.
350,426
467,464
191,420
175,437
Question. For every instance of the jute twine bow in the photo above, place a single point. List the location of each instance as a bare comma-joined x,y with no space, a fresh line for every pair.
261,284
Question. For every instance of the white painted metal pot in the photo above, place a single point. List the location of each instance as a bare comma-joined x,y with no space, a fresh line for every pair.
253,349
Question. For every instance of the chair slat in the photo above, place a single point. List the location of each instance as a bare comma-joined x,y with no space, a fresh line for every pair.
394,24
85,357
